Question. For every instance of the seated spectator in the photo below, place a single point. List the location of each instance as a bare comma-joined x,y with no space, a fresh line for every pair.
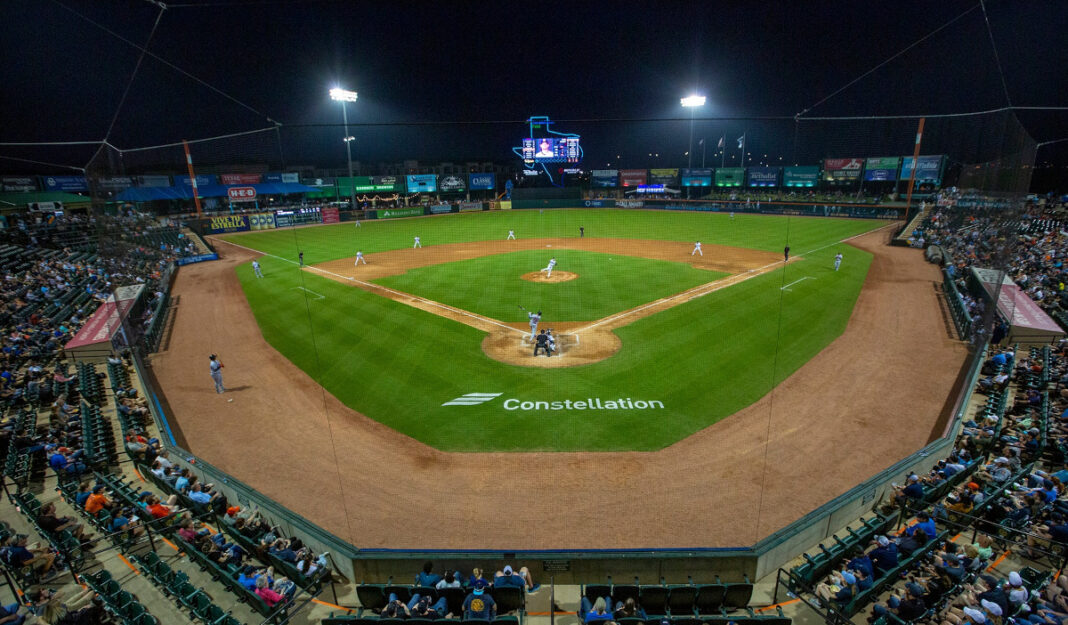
839,587
910,543
127,521
97,501
478,604
427,577
924,522
629,609
309,565
281,549
522,579
424,606
159,510
451,580
83,494
84,608
66,463
912,491
270,597
49,522
9,615
598,611
883,556
18,553
395,609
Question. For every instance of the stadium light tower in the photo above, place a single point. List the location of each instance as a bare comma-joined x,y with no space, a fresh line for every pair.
345,96
691,102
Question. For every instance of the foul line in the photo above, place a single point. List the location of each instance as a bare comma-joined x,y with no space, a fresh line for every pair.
783,288
319,295
693,294
370,286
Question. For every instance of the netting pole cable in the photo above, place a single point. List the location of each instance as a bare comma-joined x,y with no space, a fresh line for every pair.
915,166
202,140
166,62
33,162
887,61
997,57
771,395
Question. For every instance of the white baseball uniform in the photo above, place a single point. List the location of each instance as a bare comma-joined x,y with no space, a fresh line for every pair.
697,249
256,269
357,223
549,269
417,243
837,261
511,234
359,257
552,343
535,319
732,214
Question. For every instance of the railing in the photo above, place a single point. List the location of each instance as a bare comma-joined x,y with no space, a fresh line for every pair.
961,318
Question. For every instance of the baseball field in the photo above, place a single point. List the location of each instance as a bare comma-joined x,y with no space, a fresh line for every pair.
654,343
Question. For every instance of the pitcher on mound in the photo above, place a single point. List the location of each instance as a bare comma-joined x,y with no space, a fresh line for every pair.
549,270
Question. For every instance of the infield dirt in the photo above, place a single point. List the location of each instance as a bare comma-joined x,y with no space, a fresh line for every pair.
867,400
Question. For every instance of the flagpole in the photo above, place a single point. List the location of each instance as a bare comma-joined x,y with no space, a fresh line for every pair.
702,153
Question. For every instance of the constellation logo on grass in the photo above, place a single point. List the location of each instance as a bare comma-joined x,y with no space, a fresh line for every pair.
472,399
589,403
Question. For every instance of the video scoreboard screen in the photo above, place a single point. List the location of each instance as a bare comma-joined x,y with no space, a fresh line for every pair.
552,150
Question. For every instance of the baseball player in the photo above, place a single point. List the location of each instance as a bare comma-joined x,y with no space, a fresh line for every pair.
256,269
549,269
359,257
837,261
535,319
511,235
541,342
786,254
552,341
216,374
417,243
300,257
358,223
732,215
697,249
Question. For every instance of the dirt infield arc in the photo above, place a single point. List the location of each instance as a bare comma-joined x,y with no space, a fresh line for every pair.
839,419
581,343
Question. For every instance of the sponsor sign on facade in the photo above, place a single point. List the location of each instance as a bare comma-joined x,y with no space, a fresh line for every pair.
842,170
632,177
928,169
730,176
20,184
763,176
261,221
437,209
241,194
802,176
881,168
697,177
422,183
202,180
399,212
153,181
478,182
331,215
452,183
228,223
470,207
281,177
115,183
667,177
65,183
239,179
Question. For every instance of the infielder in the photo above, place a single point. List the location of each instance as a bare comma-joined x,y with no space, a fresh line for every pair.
549,269
359,257
837,261
697,249
511,235
256,269
535,319
216,374
417,243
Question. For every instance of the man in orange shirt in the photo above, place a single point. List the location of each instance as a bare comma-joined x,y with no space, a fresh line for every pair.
97,501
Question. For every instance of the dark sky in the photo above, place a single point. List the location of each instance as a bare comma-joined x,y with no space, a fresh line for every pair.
477,62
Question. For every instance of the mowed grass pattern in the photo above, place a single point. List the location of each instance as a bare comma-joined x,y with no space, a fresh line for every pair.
705,359
492,285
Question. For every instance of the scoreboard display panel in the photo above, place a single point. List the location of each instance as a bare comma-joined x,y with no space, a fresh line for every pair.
552,150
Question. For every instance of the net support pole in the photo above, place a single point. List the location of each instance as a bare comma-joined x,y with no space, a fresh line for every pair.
192,178
915,166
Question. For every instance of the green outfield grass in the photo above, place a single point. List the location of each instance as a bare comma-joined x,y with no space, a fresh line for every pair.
606,284
703,360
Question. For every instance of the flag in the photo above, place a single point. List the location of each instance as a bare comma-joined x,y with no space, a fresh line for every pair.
741,142
722,140
701,142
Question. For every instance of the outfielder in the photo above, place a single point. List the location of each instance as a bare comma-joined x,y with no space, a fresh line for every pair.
417,243
697,249
837,261
549,269
358,223
511,235
535,319
300,258
216,374
359,257
256,269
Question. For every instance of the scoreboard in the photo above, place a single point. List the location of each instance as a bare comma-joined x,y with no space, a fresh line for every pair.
551,150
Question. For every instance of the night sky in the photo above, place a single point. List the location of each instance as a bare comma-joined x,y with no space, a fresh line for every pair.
468,65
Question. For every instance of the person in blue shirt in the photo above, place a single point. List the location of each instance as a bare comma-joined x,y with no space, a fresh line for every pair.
427,577
884,556
862,562
83,495
598,611
508,578
926,523
478,604
912,491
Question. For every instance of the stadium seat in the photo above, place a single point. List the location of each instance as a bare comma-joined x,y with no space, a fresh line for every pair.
709,598
403,592
681,599
595,591
509,599
454,599
372,597
653,599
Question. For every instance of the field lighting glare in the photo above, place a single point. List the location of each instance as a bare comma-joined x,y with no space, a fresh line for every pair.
693,100
342,95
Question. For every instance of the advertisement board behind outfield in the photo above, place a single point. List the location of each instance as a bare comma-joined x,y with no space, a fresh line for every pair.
261,221
470,207
393,213
437,209
482,182
228,223
331,215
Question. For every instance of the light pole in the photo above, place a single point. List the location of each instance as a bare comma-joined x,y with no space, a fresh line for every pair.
344,96
691,102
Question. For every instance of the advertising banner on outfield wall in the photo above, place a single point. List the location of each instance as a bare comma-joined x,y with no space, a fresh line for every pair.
202,180
65,183
470,207
482,182
803,176
392,213
842,170
763,176
438,209
929,169
228,223
423,183
633,177
153,181
883,168
238,179
730,176
281,177
666,177
261,221
452,183
604,177
115,183
697,177
331,215
20,184
630,203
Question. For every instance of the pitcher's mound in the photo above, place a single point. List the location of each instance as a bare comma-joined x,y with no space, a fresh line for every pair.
558,276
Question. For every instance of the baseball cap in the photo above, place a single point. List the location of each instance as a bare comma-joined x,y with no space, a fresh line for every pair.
914,589
883,541
976,616
1015,579
507,570
849,578
991,607
480,586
